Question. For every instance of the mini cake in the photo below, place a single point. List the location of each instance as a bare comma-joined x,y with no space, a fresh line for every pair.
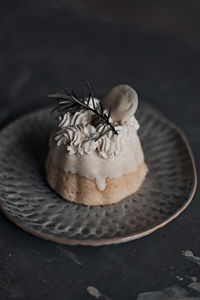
95,156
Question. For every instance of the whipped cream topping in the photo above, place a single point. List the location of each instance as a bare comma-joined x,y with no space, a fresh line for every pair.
79,136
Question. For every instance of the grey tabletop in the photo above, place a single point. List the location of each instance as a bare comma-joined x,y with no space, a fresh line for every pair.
44,40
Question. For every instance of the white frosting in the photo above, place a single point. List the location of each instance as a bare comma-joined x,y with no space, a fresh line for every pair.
93,166
75,148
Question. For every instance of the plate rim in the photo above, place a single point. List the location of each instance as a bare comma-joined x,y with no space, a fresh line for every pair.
130,237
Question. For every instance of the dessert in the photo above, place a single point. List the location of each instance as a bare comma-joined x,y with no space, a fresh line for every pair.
95,156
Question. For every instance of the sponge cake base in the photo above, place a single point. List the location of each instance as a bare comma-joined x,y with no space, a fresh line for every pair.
82,190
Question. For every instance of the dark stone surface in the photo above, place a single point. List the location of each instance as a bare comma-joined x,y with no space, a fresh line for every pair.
41,40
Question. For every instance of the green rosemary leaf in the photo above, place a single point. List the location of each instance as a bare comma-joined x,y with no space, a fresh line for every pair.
101,107
109,112
69,107
91,94
64,102
74,95
88,100
57,95
66,92
55,108
102,134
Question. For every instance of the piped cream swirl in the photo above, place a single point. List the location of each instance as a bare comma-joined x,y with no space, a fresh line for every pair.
79,136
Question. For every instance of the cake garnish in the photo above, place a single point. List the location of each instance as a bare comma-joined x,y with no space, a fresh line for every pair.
69,103
124,102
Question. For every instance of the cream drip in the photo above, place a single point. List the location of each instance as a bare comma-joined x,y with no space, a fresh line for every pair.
96,167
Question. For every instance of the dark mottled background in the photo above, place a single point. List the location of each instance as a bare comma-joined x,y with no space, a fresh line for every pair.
154,48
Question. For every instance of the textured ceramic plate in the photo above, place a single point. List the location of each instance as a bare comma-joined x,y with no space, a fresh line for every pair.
27,200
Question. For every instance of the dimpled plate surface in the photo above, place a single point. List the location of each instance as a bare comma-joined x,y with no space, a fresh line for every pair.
27,199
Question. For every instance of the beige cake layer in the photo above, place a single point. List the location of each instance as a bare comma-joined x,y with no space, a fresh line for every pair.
79,189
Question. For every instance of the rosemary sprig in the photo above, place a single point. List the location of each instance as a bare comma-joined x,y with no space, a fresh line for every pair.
69,102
